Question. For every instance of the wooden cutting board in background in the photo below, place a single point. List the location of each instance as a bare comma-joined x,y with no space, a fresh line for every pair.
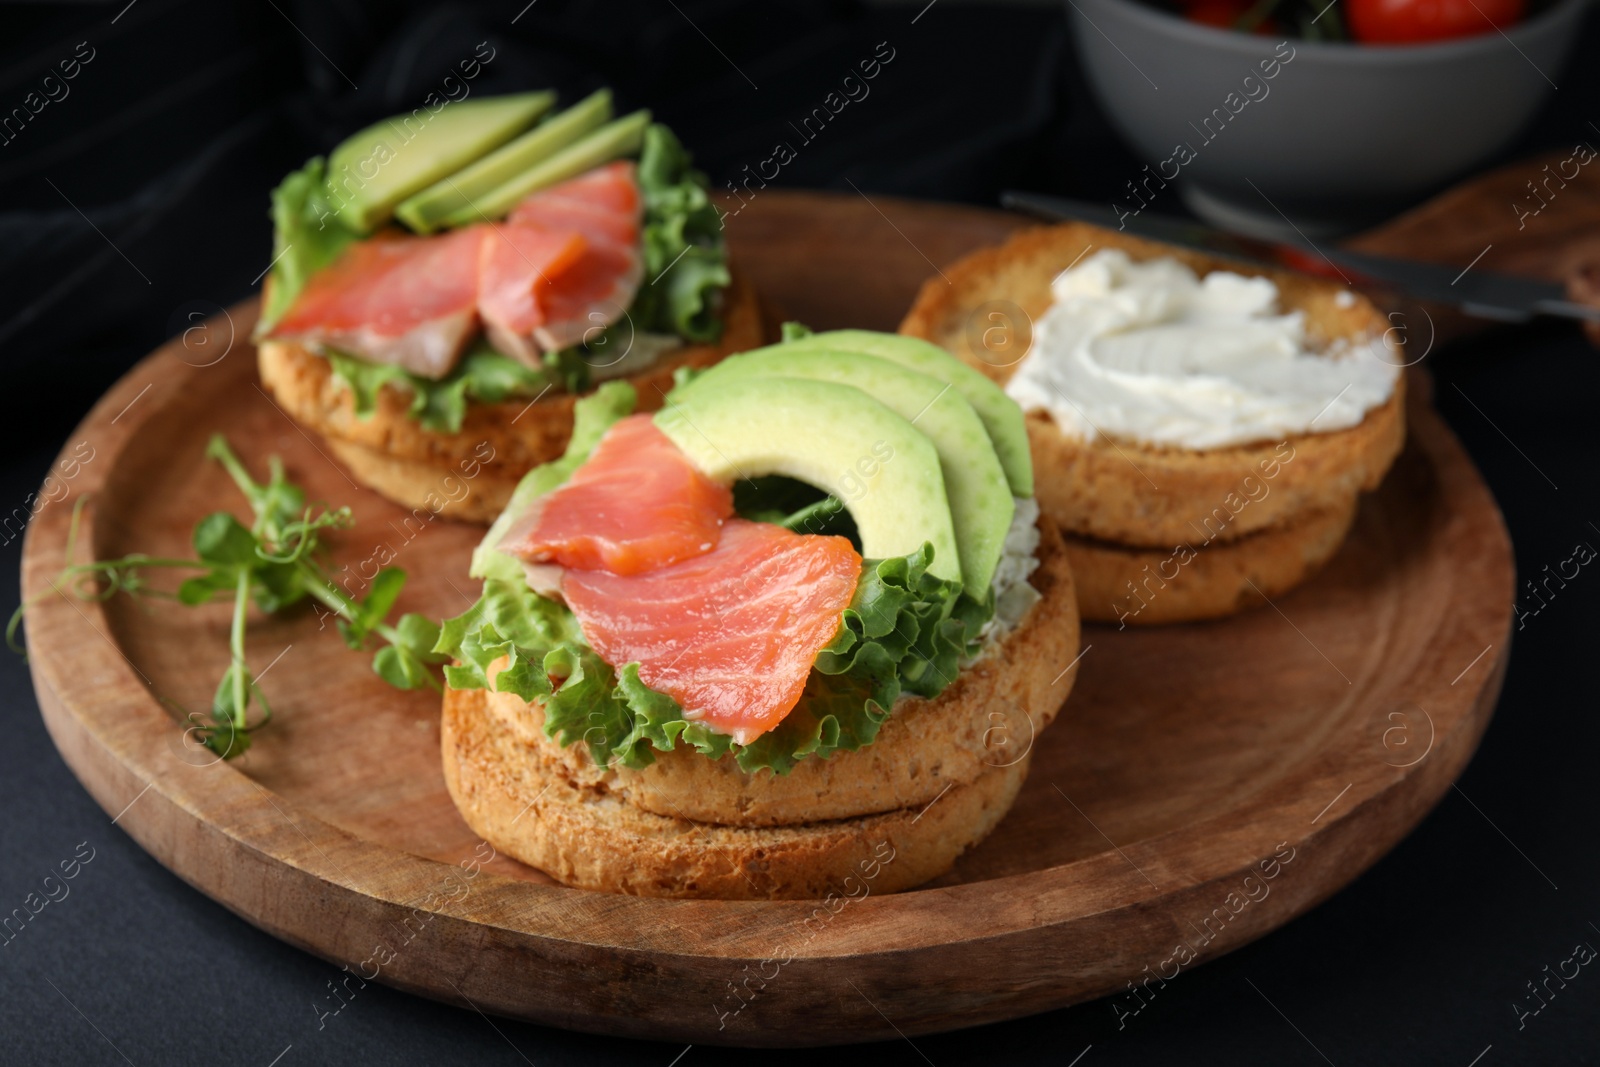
1480,217
1524,218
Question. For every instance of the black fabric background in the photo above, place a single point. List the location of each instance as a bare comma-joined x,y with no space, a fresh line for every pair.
168,143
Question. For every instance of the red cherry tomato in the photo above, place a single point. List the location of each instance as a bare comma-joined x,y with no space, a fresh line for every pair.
1308,263
1225,14
1417,21
1219,13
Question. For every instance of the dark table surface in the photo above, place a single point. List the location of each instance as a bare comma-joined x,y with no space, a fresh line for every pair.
140,196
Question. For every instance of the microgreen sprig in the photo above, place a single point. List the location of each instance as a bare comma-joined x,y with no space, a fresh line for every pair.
274,563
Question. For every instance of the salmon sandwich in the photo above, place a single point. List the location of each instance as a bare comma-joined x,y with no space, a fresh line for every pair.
446,285
801,623
1202,428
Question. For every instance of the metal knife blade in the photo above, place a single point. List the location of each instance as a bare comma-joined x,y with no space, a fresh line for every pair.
1480,293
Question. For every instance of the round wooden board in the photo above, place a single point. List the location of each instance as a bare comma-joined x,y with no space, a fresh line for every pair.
1318,730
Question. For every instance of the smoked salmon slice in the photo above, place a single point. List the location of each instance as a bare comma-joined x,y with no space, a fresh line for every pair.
407,301
637,504
596,223
565,265
731,635
607,195
604,206
593,293
517,270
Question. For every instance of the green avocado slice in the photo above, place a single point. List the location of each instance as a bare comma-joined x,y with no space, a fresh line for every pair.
832,436
621,137
374,169
1000,414
974,482
455,194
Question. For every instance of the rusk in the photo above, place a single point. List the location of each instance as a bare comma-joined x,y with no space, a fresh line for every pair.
591,839
940,776
1193,580
1137,494
986,717
1098,488
468,474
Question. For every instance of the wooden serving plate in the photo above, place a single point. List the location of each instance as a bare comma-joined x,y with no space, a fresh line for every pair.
1317,731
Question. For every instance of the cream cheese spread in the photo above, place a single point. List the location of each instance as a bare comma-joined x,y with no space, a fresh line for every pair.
1019,558
1148,351
640,352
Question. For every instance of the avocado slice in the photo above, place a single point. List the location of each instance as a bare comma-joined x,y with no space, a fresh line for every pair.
974,482
1000,414
376,168
455,194
834,437
621,137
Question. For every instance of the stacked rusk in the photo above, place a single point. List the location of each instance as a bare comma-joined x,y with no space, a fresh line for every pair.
760,643
1158,532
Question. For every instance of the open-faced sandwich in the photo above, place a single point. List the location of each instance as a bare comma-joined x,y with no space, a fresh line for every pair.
802,622
446,285
1201,428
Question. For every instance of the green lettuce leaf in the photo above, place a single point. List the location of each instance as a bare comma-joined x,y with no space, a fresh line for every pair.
483,374
306,236
685,257
905,632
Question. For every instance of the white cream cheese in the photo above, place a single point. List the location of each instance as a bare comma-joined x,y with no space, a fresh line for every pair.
1148,351
1013,596
641,351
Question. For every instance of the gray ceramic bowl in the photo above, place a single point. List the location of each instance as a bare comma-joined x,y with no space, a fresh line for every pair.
1338,136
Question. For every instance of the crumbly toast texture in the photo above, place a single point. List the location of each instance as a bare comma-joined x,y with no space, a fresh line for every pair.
1190,581
593,839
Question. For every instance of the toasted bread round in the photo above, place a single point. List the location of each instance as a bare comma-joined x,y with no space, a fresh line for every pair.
1194,580
468,492
987,717
590,838
468,474
1134,493
1099,488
